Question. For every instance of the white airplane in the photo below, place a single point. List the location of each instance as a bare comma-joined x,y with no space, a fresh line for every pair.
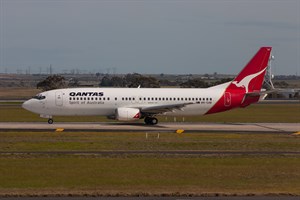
131,104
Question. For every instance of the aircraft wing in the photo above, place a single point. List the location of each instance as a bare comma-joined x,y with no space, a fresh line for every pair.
164,108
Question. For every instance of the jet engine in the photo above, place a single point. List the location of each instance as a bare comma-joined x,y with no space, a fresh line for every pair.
128,114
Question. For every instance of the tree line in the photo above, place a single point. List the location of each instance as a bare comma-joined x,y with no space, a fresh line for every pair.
129,80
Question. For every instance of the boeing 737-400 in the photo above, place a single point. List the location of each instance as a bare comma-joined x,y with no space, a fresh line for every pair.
130,104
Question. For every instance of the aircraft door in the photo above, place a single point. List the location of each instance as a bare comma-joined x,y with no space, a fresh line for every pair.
227,99
58,98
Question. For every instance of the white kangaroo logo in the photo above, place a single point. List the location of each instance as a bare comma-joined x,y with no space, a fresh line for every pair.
246,80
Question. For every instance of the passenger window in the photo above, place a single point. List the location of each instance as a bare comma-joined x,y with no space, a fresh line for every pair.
116,98
107,98
103,98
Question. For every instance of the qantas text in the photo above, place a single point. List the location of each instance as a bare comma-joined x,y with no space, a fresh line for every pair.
86,94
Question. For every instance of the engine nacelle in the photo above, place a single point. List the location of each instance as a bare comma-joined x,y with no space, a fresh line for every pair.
128,114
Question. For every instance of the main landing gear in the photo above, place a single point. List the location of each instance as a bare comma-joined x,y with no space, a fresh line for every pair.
50,121
151,120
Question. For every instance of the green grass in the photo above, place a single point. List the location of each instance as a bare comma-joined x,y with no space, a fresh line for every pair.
68,141
147,174
255,113
152,175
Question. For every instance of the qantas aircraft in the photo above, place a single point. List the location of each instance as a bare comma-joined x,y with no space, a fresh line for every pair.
130,104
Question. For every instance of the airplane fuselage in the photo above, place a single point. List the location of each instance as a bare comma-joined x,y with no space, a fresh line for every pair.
129,104
105,101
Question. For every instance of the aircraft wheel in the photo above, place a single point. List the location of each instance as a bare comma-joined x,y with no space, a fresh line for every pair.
154,121
146,120
151,120
50,121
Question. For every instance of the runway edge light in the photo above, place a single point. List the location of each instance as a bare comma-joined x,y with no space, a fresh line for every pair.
179,131
59,130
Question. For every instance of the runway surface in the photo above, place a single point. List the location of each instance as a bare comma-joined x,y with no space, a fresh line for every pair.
161,127
162,198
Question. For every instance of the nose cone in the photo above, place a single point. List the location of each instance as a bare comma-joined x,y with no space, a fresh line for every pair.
32,105
27,105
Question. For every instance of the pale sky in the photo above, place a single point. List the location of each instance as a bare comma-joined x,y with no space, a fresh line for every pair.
153,36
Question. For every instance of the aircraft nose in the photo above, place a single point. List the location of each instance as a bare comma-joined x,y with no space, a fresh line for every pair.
32,105
26,105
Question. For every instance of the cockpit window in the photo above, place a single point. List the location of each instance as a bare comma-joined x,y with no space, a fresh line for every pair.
39,97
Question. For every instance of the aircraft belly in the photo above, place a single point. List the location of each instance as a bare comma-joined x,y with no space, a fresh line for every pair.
82,110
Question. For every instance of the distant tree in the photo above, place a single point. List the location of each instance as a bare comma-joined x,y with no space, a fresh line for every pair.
117,81
73,82
105,82
223,80
135,80
130,80
194,83
52,82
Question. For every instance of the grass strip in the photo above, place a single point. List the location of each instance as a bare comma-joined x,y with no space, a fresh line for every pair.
154,175
97,141
254,113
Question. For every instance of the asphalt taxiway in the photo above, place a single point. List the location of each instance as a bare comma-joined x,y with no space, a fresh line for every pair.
161,127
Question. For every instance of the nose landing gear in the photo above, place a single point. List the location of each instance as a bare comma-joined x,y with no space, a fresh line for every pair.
50,121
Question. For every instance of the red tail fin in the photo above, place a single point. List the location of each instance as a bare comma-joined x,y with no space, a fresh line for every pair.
252,76
245,88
